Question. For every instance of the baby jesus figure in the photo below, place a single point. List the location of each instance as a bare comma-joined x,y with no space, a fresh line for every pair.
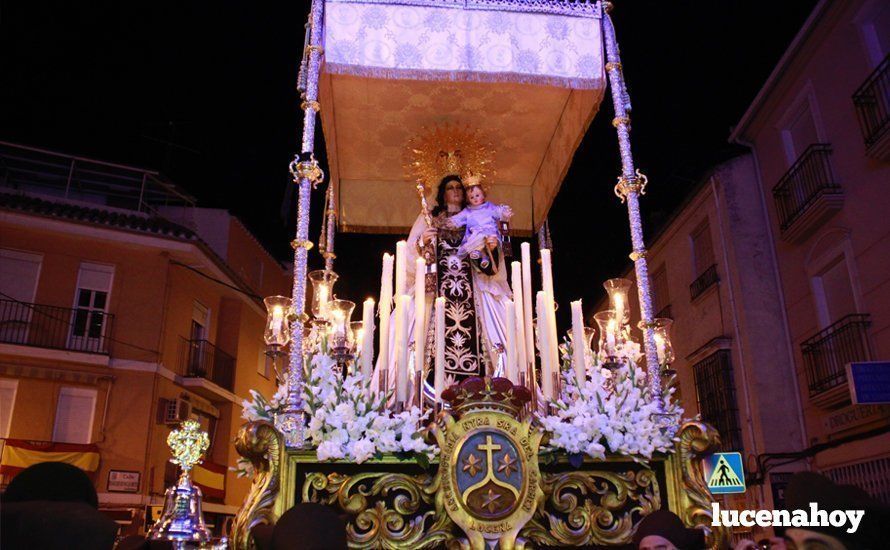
481,218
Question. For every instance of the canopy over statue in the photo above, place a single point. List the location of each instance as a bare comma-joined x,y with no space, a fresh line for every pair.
527,76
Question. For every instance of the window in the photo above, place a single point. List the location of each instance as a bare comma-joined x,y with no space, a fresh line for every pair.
264,365
8,388
200,321
90,306
873,476
660,292
19,272
702,249
834,292
874,28
800,132
715,389
74,415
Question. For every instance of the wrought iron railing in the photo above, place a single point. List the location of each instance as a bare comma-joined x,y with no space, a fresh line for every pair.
201,359
704,281
715,389
826,354
666,312
39,325
807,179
872,102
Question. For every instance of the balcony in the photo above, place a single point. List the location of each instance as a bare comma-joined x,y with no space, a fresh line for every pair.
872,102
201,361
826,354
706,280
666,312
807,194
69,329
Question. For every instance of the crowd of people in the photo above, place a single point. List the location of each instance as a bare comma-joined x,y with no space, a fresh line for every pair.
54,505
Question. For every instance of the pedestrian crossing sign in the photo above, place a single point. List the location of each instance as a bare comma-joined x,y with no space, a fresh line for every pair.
724,473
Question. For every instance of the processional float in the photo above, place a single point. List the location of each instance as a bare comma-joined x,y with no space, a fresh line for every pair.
490,460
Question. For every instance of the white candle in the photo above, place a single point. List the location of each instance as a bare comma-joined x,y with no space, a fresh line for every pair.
401,267
323,300
385,309
277,320
440,348
367,339
402,348
611,329
419,317
543,337
527,307
550,313
510,366
519,333
579,356
546,271
618,307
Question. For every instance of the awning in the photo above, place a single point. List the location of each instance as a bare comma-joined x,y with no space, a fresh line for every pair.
527,75
18,454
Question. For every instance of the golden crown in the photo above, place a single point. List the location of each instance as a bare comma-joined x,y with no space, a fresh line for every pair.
449,150
486,394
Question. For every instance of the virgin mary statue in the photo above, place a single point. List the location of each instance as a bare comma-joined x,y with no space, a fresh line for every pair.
475,310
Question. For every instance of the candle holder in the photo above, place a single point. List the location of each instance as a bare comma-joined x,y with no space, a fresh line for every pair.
661,326
611,338
618,290
322,282
340,333
278,312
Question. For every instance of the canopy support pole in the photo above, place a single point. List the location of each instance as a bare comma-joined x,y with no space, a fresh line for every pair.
307,175
631,185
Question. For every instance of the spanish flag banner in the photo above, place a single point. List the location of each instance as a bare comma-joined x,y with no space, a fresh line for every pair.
18,454
211,478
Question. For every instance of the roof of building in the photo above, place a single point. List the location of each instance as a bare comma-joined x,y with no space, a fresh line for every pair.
95,215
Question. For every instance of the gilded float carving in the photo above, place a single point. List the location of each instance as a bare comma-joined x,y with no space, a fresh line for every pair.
593,507
389,510
260,443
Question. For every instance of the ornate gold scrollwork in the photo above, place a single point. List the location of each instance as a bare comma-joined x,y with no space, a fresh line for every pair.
260,443
308,170
592,507
389,510
628,185
697,439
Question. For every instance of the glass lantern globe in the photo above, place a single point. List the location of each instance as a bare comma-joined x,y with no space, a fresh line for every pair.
356,334
339,317
611,335
322,282
278,309
619,302
663,347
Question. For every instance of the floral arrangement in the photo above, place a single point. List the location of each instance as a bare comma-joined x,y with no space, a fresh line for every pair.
346,420
611,412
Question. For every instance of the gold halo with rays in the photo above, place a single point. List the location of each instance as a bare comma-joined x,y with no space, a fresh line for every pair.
448,149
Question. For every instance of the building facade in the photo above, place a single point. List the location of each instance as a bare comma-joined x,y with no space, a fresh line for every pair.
776,269
713,274
125,309
819,133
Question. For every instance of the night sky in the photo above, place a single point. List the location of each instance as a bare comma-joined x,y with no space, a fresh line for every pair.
204,92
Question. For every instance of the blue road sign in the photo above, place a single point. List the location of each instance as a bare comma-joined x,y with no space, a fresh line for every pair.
724,473
869,382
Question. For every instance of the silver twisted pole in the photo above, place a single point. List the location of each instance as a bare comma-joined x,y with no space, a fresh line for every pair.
330,228
630,186
306,175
